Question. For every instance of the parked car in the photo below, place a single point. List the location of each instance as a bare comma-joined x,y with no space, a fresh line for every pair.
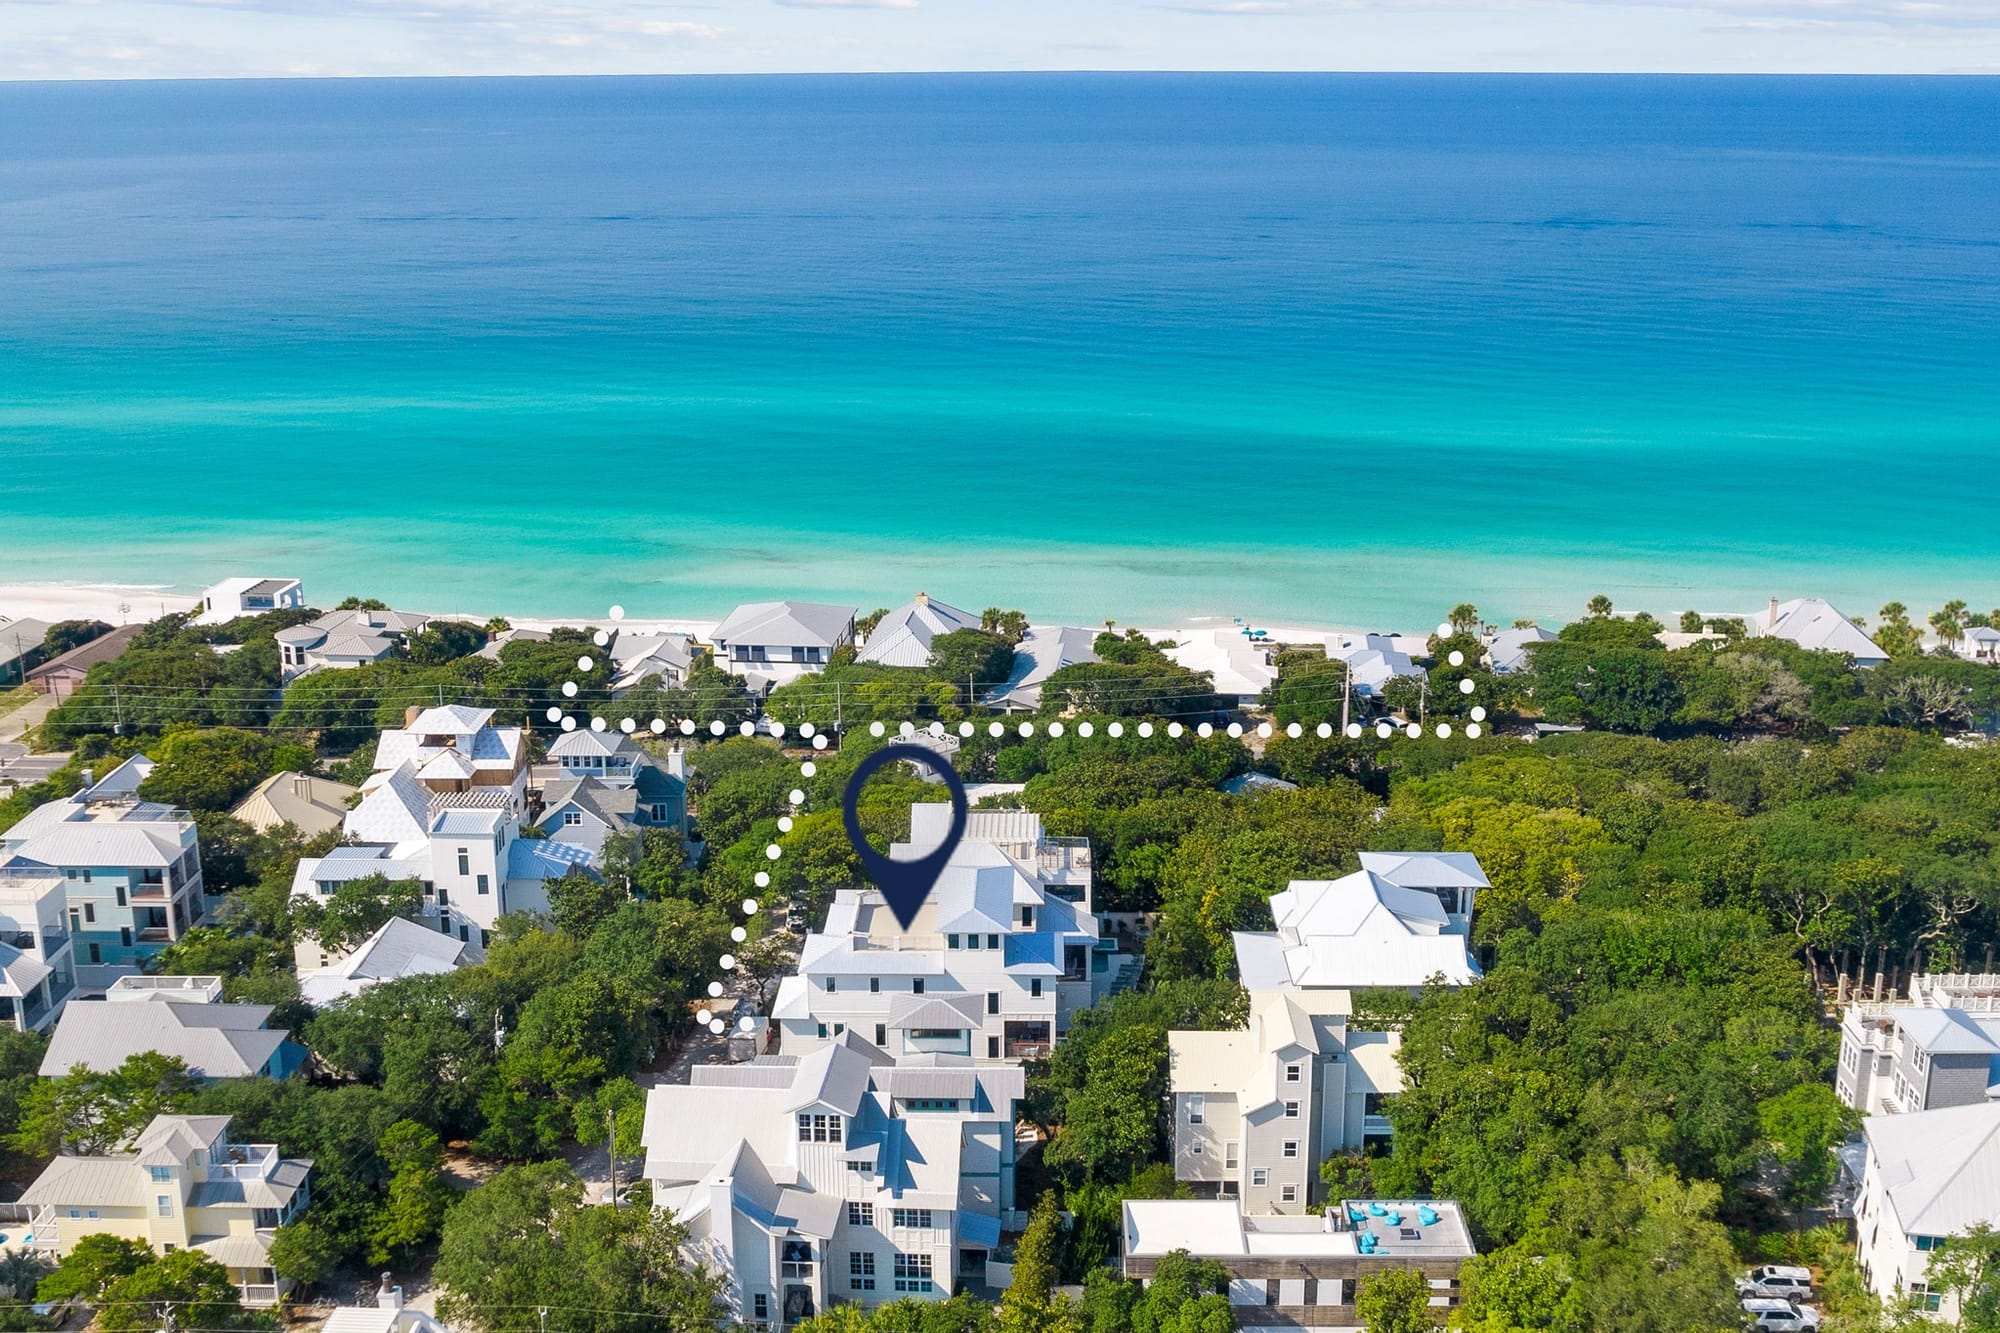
1770,1314
1780,1280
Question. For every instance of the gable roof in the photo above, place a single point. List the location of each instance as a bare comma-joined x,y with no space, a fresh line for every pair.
1940,1169
1949,1031
788,624
400,948
545,858
216,1040
1428,870
1509,649
1358,930
1045,650
1812,622
309,804
84,656
903,637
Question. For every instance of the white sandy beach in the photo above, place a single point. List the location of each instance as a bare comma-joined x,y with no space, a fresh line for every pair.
118,604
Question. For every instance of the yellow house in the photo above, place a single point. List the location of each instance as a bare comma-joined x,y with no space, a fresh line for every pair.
183,1185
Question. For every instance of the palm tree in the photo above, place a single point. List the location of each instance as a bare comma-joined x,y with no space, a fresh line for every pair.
1463,618
21,1271
1599,606
1949,622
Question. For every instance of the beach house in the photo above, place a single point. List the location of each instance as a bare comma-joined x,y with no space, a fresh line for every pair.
37,961
1401,920
184,1017
1940,1048
774,643
1258,1109
902,638
344,639
397,949
1043,651
60,676
181,1185
1928,1176
1302,1272
131,872
666,657
842,1176
248,597
1239,665
1813,623
312,805
1508,652
995,964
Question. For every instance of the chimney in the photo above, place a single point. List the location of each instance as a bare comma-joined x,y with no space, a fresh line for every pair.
388,1297
89,780
1774,614
410,715
923,599
302,786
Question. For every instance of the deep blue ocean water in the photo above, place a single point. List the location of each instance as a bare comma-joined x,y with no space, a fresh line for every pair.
1340,348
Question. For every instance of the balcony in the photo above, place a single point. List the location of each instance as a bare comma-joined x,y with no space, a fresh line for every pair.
244,1161
151,892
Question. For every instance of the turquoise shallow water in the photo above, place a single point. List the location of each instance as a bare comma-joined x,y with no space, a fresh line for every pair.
1335,348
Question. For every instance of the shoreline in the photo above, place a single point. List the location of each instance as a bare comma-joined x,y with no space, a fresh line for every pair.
130,603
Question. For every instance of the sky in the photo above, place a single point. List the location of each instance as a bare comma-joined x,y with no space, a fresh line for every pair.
94,39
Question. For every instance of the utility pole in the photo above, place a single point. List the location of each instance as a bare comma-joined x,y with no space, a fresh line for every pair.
1346,692
611,1150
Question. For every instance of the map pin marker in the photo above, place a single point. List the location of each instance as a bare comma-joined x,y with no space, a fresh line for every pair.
904,884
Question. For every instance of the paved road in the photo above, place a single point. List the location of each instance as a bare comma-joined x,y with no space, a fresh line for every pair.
23,769
14,725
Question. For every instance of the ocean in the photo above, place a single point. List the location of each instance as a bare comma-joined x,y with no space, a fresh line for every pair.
1335,349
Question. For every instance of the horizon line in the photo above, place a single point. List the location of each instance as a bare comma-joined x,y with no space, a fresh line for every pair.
1051,71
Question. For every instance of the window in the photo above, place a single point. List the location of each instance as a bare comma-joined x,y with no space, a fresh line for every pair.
993,1002
881,1034
1291,1147
120,892
822,1029
662,812
817,1128
1291,1110
874,985
972,941
165,1203
910,1217
932,1104
992,1043
483,885
90,911
861,1214
1197,1108
571,818
1027,916
1260,1175
161,1172
1293,1072
1195,1147
86,874
992,941
916,985
861,1270
936,1034
1229,1154
1928,1242
951,941
831,985
1288,1194
1035,987
913,1272
464,862
760,1306
1923,1298
1372,1103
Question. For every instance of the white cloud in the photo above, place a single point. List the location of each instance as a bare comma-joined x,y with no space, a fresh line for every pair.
848,4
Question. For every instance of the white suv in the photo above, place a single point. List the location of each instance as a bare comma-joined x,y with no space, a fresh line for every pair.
1768,1314
1776,1280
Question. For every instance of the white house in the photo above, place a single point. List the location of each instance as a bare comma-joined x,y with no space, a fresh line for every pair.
1258,1109
903,637
387,1315
396,950
249,597
1373,660
997,960
1043,651
1387,924
638,657
1813,623
1240,667
774,643
344,639
1302,1272
444,808
839,1176
1509,650
1980,643
37,962
1928,1176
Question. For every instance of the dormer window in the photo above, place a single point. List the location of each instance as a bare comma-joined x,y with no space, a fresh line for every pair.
815,1127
